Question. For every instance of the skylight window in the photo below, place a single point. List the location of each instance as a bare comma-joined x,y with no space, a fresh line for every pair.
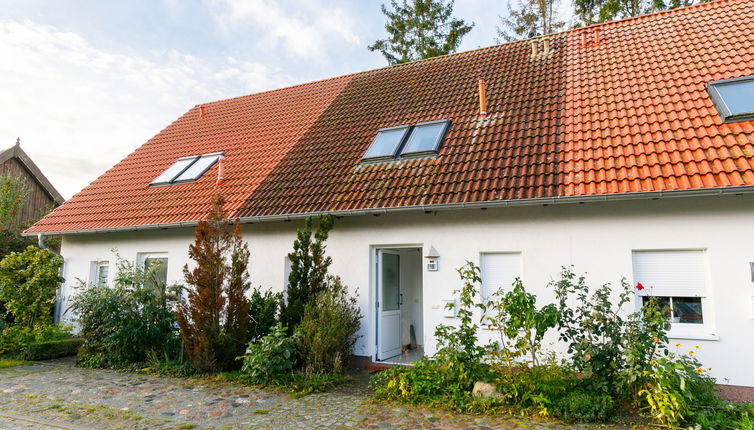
426,137
733,98
186,169
387,143
197,169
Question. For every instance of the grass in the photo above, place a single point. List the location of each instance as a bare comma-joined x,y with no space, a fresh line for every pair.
9,362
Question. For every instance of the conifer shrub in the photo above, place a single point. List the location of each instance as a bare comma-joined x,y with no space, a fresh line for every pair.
328,330
264,308
213,321
309,266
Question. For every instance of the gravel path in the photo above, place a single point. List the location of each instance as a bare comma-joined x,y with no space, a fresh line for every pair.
57,394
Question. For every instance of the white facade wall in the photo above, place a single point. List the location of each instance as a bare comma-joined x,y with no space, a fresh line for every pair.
597,238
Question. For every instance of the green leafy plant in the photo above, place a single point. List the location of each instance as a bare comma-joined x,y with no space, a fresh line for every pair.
327,332
584,405
213,321
677,386
52,349
521,325
14,340
125,323
263,313
447,378
309,266
270,357
28,284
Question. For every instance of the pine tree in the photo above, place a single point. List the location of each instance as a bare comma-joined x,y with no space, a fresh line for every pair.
213,320
595,11
309,266
532,18
419,29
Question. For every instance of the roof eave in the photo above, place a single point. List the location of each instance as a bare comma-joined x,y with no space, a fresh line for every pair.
645,195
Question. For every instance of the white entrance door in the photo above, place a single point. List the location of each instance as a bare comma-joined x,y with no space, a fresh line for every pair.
388,304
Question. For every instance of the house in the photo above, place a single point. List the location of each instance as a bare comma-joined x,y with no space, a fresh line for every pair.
43,196
625,149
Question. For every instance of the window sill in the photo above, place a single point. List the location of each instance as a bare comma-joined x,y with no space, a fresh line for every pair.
693,336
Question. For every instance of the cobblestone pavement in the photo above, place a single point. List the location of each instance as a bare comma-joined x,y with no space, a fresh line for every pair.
57,394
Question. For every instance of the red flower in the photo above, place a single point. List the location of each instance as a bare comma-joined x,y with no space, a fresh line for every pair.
639,287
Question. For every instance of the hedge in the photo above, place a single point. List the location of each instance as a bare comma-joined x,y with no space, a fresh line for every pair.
52,349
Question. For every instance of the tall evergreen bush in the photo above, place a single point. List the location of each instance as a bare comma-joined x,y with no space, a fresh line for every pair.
214,318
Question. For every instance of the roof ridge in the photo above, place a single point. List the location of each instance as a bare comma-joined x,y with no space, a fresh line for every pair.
709,4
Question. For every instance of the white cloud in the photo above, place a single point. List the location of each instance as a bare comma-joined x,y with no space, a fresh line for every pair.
79,109
304,30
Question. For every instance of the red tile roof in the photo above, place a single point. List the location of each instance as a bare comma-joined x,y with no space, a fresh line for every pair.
626,114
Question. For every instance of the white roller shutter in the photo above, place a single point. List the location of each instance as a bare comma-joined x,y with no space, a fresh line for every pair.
671,273
499,270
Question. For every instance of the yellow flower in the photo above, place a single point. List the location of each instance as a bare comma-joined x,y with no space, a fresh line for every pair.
656,340
696,346
699,370
654,362
691,352
677,345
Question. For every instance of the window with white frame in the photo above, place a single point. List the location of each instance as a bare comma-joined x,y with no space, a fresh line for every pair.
499,270
100,272
155,269
678,279
287,268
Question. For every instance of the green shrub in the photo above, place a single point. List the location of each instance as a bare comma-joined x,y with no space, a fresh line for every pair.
263,313
127,322
514,315
584,405
52,349
327,331
28,283
447,379
677,387
309,266
270,357
533,389
611,349
15,339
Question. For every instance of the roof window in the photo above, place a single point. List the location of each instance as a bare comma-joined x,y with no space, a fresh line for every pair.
733,98
186,169
406,140
387,143
426,137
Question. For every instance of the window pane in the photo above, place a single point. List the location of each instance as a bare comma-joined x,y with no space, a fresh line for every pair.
662,302
386,143
103,271
197,169
156,271
391,283
738,96
425,137
168,175
687,310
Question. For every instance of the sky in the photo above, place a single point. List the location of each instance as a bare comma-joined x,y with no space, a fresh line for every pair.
85,82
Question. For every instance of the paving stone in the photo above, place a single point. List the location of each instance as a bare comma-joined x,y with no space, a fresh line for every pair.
59,392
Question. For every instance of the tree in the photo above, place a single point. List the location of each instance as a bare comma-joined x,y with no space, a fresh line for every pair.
532,18
309,266
595,11
419,29
14,193
213,320
28,284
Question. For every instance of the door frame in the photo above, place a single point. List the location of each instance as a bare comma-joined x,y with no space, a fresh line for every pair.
374,313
